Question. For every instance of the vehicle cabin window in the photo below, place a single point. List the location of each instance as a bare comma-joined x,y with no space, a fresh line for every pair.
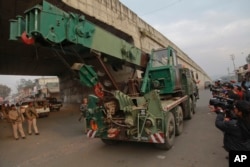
25,103
40,103
188,74
160,58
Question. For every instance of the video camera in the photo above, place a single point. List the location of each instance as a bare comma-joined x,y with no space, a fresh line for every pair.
226,104
215,89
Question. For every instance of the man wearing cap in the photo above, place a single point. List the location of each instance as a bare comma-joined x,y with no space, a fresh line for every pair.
31,114
237,130
17,119
231,92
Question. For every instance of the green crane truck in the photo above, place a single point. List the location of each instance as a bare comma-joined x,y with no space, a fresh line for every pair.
137,96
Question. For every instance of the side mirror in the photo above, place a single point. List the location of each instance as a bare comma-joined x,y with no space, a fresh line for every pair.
197,76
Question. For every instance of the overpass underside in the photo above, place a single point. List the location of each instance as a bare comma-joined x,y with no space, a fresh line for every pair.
20,59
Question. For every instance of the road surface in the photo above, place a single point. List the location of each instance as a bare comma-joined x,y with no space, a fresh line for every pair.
61,143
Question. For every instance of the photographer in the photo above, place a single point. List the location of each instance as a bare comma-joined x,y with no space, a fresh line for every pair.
236,130
216,89
231,92
246,94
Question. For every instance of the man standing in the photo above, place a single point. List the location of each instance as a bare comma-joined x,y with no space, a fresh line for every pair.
31,114
17,119
4,112
83,109
236,131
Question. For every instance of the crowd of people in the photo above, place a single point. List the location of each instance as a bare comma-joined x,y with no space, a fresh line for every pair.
17,116
230,90
233,114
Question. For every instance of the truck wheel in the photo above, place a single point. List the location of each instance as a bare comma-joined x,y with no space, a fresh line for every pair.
191,110
169,134
179,121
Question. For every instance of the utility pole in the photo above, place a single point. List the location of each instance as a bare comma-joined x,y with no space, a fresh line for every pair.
233,57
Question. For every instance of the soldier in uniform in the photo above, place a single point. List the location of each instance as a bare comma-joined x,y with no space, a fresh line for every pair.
31,114
17,119
4,113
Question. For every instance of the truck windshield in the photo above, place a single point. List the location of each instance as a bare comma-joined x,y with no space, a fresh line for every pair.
160,58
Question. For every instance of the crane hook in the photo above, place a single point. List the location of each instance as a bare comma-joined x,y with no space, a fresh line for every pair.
26,39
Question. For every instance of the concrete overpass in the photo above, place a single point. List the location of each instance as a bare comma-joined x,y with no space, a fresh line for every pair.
19,59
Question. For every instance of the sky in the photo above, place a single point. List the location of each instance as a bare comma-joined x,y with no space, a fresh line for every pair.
213,33
12,81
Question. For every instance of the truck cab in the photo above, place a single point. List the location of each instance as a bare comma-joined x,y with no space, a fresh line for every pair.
166,75
156,114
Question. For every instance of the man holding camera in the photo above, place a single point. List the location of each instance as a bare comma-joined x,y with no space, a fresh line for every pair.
237,129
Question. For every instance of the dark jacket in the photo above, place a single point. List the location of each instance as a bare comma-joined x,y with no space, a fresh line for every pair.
83,109
236,133
246,95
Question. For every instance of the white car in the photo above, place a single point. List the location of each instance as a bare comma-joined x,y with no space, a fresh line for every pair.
42,107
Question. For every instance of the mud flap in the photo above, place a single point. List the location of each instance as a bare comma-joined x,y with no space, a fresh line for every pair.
91,133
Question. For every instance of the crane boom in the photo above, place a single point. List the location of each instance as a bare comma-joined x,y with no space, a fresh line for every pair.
54,25
47,24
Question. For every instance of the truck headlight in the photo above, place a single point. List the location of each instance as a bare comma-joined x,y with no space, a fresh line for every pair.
143,112
149,123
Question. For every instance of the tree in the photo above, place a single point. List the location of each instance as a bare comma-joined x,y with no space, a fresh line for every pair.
23,83
4,91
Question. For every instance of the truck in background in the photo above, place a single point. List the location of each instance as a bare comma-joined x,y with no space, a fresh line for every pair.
54,104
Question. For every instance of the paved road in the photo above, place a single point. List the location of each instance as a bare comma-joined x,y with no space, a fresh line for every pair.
61,143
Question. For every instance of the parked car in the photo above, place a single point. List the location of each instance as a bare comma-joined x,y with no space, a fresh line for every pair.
54,104
41,106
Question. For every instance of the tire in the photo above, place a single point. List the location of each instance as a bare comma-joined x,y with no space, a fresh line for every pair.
191,110
179,120
169,133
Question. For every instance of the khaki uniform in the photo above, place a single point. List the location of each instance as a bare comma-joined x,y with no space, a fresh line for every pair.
4,113
17,119
31,117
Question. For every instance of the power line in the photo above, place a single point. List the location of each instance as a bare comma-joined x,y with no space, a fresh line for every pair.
165,7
